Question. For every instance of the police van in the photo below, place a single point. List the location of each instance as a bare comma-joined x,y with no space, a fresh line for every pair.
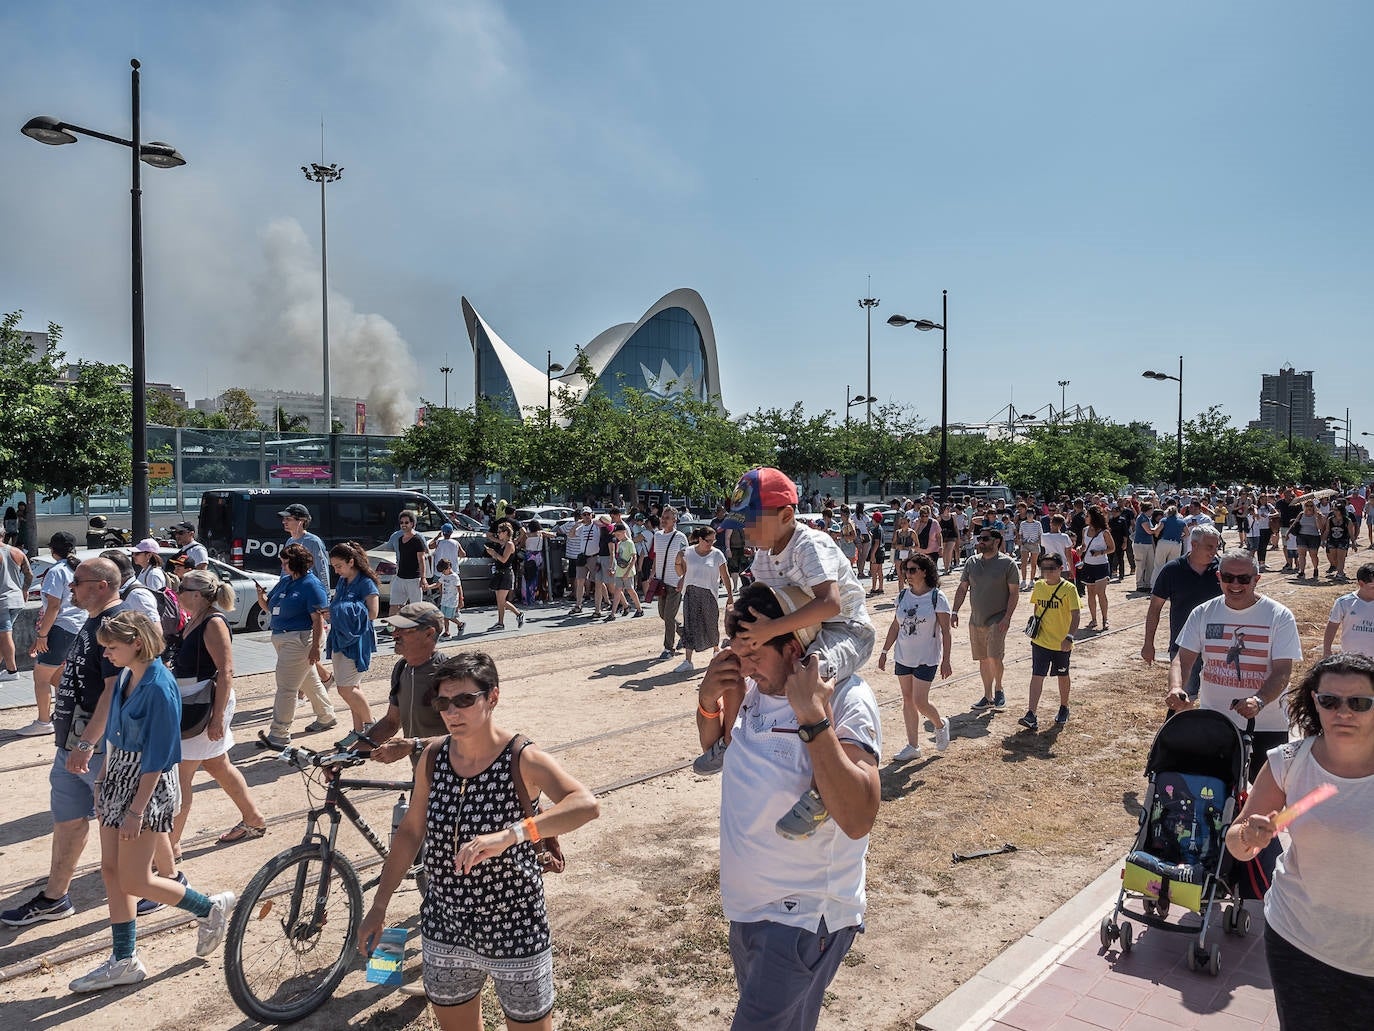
242,526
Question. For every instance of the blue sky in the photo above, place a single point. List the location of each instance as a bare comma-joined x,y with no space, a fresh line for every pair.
1100,187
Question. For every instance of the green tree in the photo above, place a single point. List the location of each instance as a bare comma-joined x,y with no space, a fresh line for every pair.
1063,459
284,423
803,446
60,437
163,410
239,410
457,444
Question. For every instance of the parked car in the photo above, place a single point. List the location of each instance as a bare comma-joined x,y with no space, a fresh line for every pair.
549,515
474,568
248,615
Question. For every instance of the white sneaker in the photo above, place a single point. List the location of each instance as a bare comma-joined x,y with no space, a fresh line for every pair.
110,974
35,729
907,754
685,666
212,927
942,737
8,674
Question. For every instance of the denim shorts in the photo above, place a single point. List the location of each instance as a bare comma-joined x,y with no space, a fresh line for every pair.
926,673
59,647
72,795
6,619
783,972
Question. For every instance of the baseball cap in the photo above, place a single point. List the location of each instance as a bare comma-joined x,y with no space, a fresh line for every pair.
62,539
584,510
149,545
758,490
182,528
295,512
446,528
417,613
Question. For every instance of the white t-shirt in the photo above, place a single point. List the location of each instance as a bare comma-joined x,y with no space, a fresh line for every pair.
810,558
57,583
196,553
919,641
666,547
1057,544
152,576
448,588
1311,903
1238,647
703,570
863,525
762,876
1356,618
136,599
447,547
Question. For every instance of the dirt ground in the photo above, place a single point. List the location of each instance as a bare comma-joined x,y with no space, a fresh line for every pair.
639,935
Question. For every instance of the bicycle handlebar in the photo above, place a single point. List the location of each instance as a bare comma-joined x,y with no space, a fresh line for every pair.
301,757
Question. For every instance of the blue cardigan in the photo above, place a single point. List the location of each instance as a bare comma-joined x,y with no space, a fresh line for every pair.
149,720
350,626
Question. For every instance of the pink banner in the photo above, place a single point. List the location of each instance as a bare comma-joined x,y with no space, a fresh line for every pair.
300,472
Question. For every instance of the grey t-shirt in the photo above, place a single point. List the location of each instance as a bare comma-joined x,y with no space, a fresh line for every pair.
989,580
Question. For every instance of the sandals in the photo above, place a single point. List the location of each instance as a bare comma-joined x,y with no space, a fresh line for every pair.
241,832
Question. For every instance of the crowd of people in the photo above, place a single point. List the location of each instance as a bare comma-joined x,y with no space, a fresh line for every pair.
784,715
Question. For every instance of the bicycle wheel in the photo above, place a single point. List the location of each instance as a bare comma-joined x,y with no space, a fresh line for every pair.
288,946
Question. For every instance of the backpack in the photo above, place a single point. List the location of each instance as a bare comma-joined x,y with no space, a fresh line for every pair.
168,609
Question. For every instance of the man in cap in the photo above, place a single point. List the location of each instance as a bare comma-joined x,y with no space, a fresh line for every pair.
295,520
188,546
410,718
580,550
793,909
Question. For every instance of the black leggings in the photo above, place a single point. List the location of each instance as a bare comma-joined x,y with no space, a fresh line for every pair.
1310,994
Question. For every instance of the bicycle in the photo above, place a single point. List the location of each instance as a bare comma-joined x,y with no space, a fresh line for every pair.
282,966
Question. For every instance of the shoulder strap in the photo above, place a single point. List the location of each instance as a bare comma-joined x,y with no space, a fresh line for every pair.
518,744
432,757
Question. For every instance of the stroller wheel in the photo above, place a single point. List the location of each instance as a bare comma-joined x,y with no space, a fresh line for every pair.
1228,920
1192,958
1127,936
1106,932
1243,921
1214,960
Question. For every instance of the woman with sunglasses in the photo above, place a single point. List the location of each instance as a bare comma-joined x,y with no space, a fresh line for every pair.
1337,540
1308,530
483,914
1317,915
920,632
500,548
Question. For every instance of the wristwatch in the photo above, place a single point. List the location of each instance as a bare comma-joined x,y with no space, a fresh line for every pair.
85,746
810,731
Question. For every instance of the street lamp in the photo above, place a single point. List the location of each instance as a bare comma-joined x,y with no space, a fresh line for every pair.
55,132
1346,421
868,304
850,402
924,326
549,370
325,174
1289,406
1063,404
1149,374
446,369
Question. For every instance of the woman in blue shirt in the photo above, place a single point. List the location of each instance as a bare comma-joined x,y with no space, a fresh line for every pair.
297,606
139,798
351,640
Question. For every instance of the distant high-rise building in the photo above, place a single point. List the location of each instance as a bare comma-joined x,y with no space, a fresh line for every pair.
294,403
1290,388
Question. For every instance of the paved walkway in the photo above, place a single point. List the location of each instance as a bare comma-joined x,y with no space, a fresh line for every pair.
1059,978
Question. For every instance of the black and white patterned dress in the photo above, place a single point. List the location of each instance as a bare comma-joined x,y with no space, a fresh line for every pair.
496,912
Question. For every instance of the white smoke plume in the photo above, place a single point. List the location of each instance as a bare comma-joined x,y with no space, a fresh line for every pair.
367,356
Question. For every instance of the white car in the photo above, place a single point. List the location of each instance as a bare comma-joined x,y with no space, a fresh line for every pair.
248,615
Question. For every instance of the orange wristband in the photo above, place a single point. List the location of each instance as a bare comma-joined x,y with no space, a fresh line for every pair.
531,831
708,715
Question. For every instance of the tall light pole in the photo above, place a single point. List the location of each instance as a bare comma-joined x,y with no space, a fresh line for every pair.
160,155
1346,421
868,304
1063,404
446,369
550,368
324,175
1178,468
848,404
925,325
1289,406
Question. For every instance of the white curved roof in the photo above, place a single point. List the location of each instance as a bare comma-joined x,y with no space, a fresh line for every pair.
530,385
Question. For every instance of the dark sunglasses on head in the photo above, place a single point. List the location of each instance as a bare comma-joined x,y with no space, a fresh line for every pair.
458,701
1334,702
1237,578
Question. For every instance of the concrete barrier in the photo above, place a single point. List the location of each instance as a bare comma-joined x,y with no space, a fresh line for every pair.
25,627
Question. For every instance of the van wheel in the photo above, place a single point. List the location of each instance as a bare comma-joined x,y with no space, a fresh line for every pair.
258,620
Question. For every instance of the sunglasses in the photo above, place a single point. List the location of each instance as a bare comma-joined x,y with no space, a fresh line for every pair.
1356,703
466,700
1237,578
911,569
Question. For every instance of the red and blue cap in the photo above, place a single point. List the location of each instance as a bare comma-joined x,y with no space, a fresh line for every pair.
759,490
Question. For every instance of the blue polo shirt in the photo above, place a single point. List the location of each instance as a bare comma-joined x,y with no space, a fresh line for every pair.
293,601
1142,534
1171,529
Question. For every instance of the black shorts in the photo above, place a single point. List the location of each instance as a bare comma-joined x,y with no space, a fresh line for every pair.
926,673
503,580
1309,540
1048,663
1090,574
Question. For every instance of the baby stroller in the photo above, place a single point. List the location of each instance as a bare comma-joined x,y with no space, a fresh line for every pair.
1197,774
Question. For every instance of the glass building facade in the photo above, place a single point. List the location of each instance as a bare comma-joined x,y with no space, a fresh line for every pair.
491,379
665,357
